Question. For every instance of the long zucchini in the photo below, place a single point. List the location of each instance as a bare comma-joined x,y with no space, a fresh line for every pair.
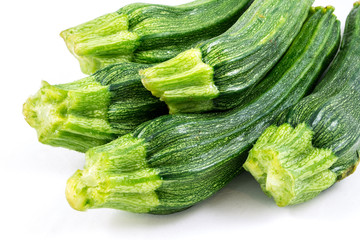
94,110
175,161
319,142
124,103
149,33
218,73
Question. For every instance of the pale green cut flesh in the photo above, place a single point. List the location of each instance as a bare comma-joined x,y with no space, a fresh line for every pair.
72,115
115,176
182,77
149,33
288,167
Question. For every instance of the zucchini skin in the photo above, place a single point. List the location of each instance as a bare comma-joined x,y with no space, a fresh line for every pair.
332,111
192,156
152,33
240,58
318,140
130,103
92,111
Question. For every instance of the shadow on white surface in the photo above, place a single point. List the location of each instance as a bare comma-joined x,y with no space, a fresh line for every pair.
244,200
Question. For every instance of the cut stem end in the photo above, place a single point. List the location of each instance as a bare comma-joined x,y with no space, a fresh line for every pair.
72,115
184,83
76,193
101,42
115,176
288,167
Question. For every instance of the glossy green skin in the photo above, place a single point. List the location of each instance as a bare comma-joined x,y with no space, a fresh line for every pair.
128,110
149,33
196,155
239,59
165,31
243,55
333,110
94,110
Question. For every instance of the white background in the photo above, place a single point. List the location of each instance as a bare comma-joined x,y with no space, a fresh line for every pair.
33,176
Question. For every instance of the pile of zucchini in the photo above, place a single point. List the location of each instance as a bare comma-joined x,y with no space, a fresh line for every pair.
181,99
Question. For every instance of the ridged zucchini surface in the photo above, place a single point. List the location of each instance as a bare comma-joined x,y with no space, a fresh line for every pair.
175,161
149,33
94,110
116,92
219,72
320,140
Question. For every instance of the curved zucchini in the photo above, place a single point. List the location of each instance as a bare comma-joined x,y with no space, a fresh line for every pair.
175,161
149,33
125,104
94,110
320,141
218,73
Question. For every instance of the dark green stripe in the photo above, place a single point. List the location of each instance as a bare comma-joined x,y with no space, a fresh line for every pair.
210,148
333,110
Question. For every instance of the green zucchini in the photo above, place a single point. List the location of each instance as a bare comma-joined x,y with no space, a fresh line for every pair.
94,110
125,104
319,142
175,161
219,72
149,33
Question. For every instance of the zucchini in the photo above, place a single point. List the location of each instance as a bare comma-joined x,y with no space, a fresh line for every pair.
125,103
149,33
319,141
175,161
94,110
219,72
